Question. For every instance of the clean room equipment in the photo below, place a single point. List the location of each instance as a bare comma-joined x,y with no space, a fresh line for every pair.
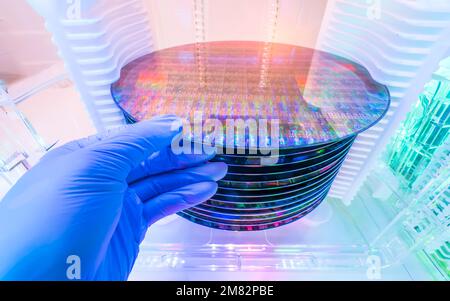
387,213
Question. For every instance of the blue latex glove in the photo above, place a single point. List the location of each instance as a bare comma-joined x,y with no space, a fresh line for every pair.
95,198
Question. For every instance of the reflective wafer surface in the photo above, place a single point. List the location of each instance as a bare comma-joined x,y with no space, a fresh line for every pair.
321,101
318,97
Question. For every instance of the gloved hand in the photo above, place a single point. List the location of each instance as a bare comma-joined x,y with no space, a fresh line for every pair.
95,198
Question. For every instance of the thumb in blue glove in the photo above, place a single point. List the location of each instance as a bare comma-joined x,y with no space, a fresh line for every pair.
93,199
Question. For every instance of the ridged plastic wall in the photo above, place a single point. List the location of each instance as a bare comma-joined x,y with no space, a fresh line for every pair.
96,39
401,43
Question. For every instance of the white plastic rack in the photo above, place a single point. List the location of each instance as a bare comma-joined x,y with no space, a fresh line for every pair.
401,44
96,46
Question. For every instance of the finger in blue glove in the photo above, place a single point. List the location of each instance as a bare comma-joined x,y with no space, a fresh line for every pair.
94,198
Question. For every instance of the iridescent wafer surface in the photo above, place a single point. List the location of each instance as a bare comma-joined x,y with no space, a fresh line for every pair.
318,97
322,102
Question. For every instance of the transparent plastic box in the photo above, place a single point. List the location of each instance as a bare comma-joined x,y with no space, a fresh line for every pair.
361,230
